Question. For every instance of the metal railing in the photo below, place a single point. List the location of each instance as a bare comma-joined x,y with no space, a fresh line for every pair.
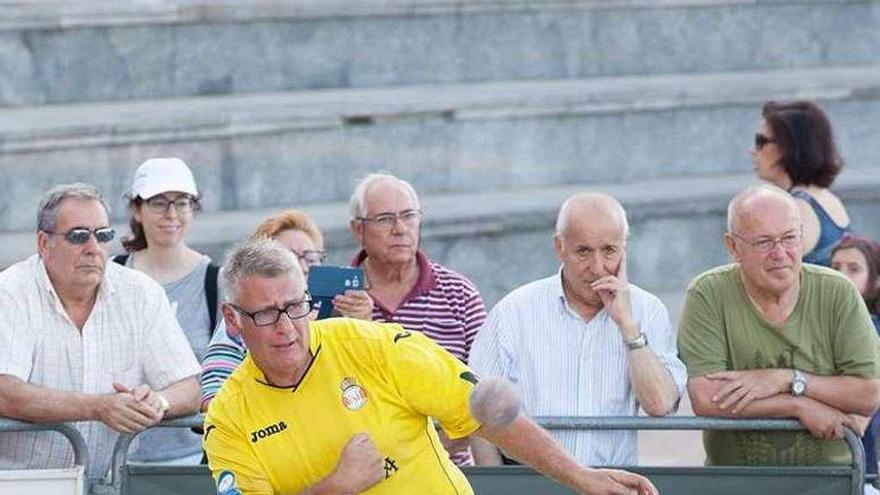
703,423
119,475
80,450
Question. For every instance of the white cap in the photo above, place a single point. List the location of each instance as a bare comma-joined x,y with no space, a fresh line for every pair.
158,175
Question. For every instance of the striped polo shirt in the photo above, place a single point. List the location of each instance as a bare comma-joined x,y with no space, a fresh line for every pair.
444,305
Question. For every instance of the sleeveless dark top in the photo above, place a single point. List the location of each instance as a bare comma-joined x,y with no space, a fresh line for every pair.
829,232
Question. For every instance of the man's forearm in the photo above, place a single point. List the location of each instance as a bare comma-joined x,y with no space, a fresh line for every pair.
778,406
327,486
28,402
485,454
183,397
849,394
651,382
532,445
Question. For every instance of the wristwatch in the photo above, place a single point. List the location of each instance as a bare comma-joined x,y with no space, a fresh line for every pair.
638,342
164,406
798,383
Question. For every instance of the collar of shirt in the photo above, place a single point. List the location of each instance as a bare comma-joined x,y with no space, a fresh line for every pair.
564,306
105,289
426,281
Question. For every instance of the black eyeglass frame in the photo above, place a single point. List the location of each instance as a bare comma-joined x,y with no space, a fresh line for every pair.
306,302
192,204
81,235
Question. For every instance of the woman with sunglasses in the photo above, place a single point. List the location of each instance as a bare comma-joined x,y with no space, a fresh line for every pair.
794,149
295,230
162,201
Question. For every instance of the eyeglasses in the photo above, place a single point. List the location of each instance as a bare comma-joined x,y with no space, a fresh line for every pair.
311,257
386,221
761,141
81,235
267,317
766,244
160,204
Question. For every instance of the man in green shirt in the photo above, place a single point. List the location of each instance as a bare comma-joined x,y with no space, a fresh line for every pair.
769,337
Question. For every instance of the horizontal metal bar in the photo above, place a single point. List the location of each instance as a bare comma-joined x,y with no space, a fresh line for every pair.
665,423
703,423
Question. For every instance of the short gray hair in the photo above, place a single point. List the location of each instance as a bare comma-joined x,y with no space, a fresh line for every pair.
601,200
357,204
47,213
735,207
259,257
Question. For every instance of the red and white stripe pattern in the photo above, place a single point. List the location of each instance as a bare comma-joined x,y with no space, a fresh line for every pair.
445,306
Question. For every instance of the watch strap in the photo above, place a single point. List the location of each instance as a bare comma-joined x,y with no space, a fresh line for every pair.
638,342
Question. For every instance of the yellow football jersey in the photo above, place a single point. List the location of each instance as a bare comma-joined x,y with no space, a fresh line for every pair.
365,377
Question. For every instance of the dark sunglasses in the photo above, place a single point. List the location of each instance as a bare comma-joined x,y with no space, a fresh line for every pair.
761,140
80,235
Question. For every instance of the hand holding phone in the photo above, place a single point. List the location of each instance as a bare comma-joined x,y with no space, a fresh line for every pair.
326,282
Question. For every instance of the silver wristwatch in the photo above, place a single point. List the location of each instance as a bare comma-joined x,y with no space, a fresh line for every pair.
798,384
638,342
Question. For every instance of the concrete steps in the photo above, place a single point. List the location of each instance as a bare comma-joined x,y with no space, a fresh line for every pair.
502,238
68,52
281,149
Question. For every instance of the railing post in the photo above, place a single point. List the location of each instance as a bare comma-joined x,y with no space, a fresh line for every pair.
80,449
118,476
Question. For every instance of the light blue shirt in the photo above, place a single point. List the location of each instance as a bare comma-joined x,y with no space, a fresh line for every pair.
563,365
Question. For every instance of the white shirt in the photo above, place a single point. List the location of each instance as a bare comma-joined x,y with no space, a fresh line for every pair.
563,365
130,337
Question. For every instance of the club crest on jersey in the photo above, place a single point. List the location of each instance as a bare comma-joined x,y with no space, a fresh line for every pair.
353,396
226,484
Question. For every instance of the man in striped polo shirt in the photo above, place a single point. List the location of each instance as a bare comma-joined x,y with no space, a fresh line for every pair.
406,286
585,341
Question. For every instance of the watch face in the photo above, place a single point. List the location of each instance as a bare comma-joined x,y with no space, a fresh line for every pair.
798,387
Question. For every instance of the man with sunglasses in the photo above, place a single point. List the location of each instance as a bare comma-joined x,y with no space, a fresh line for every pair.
768,336
342,406
85,341
406,286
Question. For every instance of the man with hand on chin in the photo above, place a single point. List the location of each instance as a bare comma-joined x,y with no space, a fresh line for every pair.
584,342
85,341
768,336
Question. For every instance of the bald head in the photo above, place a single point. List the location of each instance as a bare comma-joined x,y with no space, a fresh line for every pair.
750,205
591,205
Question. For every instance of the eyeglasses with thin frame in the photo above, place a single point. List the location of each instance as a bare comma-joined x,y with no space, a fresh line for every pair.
766,244
386,221
161,204
266,317
81,235
311,257
761,141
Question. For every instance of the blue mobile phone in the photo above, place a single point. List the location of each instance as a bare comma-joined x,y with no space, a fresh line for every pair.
325,282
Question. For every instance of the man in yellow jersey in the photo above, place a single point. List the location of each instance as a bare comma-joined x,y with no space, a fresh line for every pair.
344,406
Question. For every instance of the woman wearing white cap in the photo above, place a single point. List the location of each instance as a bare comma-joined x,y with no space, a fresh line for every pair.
162,201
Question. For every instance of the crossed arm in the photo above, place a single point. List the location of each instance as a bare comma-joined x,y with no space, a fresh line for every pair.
126,411
830,402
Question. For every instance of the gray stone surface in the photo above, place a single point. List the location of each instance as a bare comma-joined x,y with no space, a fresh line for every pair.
100,51
309,147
